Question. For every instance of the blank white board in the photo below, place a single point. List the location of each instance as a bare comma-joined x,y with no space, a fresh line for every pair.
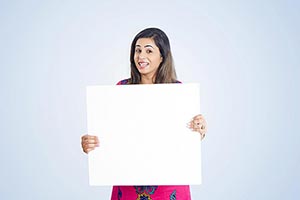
144,139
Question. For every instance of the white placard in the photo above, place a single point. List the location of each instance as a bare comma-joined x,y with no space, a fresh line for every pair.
143,135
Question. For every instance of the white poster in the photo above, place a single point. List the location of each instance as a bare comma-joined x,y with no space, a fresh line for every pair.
144,139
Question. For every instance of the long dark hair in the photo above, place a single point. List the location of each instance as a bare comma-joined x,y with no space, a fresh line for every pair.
166,71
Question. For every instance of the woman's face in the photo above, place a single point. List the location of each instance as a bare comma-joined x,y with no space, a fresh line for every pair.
147,57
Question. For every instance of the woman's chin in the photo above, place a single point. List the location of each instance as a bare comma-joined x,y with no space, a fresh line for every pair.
143,70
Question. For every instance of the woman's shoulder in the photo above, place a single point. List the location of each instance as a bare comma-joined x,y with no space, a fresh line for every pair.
124,82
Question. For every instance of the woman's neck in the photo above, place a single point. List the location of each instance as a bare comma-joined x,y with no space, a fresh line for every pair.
147,80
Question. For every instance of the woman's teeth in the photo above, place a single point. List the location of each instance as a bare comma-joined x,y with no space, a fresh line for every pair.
144,64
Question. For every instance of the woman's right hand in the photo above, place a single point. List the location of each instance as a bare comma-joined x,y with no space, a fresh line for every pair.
89,143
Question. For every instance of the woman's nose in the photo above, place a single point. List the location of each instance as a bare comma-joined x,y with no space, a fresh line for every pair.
142,54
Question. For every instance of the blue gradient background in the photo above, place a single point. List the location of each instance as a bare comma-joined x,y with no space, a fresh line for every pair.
244,54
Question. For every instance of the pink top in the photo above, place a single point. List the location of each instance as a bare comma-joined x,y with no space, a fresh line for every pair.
179,192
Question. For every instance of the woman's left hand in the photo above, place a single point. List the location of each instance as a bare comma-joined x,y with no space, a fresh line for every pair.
198,124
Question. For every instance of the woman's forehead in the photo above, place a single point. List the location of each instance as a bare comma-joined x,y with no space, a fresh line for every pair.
144,42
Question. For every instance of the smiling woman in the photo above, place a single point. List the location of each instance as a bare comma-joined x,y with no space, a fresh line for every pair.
151,59
151,62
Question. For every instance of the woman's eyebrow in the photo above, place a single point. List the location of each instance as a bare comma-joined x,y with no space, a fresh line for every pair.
148,45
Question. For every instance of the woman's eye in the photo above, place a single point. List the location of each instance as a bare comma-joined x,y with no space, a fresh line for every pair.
137,51
149,51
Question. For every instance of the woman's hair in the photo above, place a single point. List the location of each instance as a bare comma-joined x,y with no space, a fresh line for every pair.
166,72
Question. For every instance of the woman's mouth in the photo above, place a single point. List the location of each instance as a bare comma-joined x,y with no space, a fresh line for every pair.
143,65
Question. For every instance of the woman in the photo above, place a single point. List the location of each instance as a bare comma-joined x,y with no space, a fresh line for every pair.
151,62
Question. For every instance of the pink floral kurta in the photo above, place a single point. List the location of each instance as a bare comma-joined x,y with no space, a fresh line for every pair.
151,193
